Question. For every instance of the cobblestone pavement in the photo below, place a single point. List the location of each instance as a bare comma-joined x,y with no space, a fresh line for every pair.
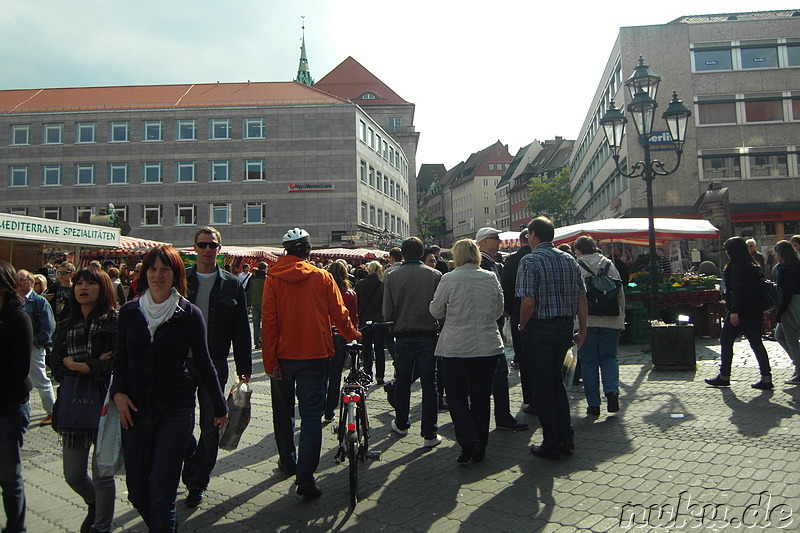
678,456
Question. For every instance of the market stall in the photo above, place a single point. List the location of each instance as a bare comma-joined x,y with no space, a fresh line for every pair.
129,251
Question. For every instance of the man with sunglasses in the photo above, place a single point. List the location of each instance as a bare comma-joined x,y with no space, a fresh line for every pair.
221,298
61,290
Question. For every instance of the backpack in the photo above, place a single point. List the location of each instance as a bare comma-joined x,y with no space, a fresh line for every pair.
601,291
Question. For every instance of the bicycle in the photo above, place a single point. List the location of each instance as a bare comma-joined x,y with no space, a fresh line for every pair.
353,426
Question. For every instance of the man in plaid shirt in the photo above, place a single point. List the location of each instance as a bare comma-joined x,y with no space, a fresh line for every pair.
552,291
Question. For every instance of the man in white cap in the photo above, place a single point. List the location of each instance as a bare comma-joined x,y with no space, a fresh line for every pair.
489,243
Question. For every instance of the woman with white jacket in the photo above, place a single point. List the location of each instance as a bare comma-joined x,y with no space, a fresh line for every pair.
470,300
598,355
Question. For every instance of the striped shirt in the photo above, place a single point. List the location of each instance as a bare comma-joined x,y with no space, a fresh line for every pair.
553,279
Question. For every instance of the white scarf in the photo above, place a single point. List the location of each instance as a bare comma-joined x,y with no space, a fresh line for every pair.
156,314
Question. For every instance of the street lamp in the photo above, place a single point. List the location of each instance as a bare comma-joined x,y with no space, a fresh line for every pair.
643,86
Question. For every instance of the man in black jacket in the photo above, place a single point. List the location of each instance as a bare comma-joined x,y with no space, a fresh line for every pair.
509,281
221,298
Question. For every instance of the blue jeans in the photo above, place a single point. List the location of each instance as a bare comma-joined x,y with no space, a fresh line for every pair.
373,342
415,355
154,450
750,326
544,344
98,490
599,354
468,382
201,454
305,379
13,424
334,379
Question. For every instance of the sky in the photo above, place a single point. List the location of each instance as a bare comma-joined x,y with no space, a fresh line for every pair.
477,72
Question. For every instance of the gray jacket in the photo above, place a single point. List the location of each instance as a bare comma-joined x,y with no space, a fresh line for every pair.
408,291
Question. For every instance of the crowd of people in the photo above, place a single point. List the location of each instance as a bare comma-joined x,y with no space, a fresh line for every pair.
164,352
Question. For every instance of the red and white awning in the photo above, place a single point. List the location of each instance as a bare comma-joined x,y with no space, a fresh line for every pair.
136,244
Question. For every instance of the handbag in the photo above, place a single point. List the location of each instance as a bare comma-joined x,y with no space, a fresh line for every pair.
769,294
110,455
238,416
78,406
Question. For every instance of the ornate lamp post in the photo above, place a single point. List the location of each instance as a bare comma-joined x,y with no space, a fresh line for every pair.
643,86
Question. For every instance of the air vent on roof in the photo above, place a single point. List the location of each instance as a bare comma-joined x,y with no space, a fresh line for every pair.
733,17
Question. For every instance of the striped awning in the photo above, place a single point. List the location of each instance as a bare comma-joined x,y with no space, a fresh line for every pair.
136,244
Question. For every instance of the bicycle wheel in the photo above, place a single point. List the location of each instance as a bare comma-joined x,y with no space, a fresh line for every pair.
352,456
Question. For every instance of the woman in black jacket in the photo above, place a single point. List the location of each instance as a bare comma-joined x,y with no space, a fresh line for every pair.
743,298
82,348
370,302
17,334
787,333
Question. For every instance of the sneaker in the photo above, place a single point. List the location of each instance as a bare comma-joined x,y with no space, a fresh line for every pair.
613,402
719,381
433,442
762,385
397,430
593,410
194,498
794,380
309,490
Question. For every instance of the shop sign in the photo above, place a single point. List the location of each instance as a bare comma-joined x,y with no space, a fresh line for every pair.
301,187
57,231
764,217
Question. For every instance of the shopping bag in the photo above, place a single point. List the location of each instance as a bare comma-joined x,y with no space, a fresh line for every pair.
110,456
569,366
78,406
238,416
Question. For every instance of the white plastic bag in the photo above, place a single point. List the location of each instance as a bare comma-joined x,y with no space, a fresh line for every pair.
569,366
110,456
238,416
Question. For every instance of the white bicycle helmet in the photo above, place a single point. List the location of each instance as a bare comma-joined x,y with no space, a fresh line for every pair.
295,234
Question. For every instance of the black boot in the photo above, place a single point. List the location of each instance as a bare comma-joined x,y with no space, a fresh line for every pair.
88,522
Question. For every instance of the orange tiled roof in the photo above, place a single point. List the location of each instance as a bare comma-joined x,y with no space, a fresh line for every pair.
351,80
162,96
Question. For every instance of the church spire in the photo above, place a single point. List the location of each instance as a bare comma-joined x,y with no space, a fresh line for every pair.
303,74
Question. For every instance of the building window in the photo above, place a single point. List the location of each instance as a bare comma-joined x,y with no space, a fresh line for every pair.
391,189
219,171
712,59
378,142
362,130
83,214
385,185
84,174
716,113
220,214
768,165
52,133
759,57
485,210
118,132
254,128
763,110
51,175
53,213
122,211
152,130
364,214
18,176
397,196
395,123
796,108
372,215
380,217
371,176
185,215
20,134
368,96
185,130
385,150
254,170
721,167
185,172
84,132
363,171
151,172
117,173
793,55
371,138
219,128
255,213
151,215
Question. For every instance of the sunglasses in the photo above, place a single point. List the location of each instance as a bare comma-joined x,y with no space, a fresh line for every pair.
203,245
64,272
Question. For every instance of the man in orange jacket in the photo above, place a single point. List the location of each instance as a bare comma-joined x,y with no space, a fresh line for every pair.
298,306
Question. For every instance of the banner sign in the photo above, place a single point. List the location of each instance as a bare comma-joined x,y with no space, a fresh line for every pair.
295,187
57,231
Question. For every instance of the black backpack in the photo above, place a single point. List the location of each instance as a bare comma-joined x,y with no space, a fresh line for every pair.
602,291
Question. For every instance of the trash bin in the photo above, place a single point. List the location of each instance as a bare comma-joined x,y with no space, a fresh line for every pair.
673,347
636,323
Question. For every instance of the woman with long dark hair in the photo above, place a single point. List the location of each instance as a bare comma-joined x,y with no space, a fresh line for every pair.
340,276
16,331
743,298
83,346
787,333
152,388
